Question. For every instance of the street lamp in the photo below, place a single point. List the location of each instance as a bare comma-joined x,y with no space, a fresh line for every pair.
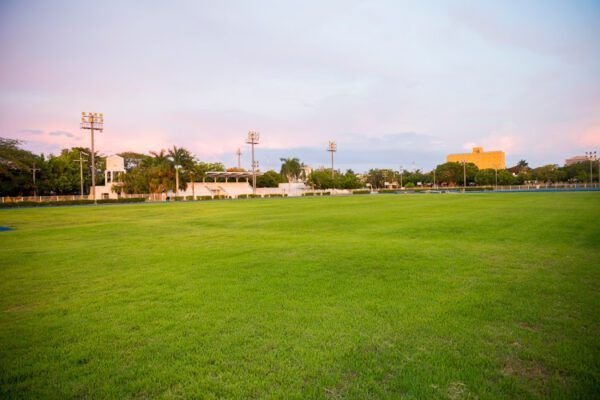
93,122
332,148
591,155
253,138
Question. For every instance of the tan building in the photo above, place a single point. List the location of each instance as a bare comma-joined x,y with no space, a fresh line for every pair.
483,159
575,160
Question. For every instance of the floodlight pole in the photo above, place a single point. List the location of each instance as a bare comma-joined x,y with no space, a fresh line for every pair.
591,155
253,138
332,148
238,153
93,122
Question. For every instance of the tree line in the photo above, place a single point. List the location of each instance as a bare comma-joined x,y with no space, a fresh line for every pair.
23,173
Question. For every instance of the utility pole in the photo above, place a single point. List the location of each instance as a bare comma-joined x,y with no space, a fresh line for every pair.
401,176
33,171
93,122
464,174
238,153
177,167
591,155
80,161
253,138
332,148
193,188
496,188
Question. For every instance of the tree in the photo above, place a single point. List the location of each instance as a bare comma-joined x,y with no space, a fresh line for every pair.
291,169
269,179
376,177
452,173
550,173
16,168
321,178
349,180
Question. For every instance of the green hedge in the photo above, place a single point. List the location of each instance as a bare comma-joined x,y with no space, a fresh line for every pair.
178,198
69,202
189,198
277,195
220,197
325,193
308,194
388,191
203,197
361,191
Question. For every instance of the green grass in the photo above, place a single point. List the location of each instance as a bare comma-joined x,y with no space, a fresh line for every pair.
395,296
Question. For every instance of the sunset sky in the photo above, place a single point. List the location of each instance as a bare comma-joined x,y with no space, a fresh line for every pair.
394,83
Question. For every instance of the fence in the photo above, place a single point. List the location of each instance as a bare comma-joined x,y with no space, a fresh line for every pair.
163,196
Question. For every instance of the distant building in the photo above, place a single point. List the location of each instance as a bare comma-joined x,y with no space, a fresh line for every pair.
113,176
483,159
575,160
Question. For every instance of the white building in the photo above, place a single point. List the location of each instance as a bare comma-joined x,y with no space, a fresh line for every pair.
113,177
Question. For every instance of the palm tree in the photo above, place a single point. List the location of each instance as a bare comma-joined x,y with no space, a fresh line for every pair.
291,168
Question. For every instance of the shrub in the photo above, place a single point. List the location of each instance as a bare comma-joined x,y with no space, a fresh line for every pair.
204,197
275,195
178,198
189,198
361,191
409,185
242,196
387,191
253,196
325,193
308,194
220,197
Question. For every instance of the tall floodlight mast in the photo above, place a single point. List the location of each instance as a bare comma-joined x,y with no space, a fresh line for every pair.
253,138
332,148
591,155
93,122
238,153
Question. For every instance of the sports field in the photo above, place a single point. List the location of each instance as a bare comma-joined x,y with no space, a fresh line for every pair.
375,296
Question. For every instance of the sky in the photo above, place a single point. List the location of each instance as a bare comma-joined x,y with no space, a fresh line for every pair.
394,83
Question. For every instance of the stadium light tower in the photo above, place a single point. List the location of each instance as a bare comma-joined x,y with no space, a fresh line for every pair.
93,122
253,138
332,148
591,155
238,153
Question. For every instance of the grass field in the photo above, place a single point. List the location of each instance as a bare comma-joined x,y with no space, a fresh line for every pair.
388,296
